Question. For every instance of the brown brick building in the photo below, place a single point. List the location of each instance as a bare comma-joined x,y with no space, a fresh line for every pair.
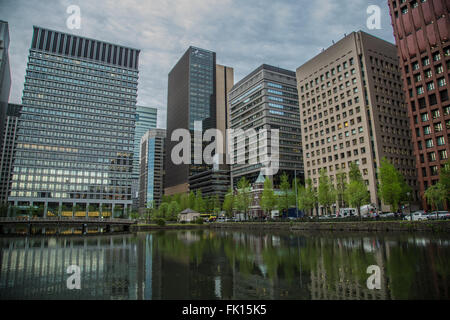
422,30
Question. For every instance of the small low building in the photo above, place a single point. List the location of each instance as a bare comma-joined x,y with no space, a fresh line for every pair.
188,215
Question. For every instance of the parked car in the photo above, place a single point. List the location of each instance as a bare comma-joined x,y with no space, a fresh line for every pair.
387,215
417,216
439,215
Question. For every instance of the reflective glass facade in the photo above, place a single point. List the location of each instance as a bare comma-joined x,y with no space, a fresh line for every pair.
76,132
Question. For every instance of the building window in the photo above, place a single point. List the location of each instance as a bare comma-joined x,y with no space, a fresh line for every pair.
440,141
436,56
432,156
438,127
424,117
429,143
426,130
443,155
434,170
420,90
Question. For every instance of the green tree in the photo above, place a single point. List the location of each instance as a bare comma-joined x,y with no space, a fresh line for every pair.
356,192
243,199
268,198
228,203
173,210
200,205
436,195
217,205
163,210
209,204
306,198
392,187
326,192
192,200
151,210
285,199
184,201
444,178
341,186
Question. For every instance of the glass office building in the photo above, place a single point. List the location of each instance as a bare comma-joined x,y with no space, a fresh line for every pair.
197,91
152,168
5,75
146,119
76,132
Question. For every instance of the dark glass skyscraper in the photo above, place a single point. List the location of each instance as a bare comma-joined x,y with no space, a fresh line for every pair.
5,75
8,149
76,131
193,96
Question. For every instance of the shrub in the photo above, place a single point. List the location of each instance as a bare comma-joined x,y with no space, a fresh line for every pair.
160,222
198,221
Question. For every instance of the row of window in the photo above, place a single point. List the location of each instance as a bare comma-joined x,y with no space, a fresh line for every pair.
119,71
327,75
93,74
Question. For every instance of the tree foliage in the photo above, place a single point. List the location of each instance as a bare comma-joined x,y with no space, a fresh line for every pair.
393,189
268,198
356,192
307,197
326,192
243,199
228,203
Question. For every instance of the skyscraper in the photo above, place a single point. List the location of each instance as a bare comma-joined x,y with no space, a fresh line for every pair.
152,168
8,149
146,119
267,99
197,91
76,131
352,110
422,31
5,75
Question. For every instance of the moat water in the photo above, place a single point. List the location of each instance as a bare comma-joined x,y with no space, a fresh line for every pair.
216,264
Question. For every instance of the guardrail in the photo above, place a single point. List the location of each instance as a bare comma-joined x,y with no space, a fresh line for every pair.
10,220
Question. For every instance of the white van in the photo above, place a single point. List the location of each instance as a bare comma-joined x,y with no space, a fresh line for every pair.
347,212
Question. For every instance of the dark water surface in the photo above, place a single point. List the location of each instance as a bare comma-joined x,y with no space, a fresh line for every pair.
209,264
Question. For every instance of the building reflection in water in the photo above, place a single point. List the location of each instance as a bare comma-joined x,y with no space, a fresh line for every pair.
209,264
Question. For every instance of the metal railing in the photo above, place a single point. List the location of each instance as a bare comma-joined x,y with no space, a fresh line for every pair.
66,219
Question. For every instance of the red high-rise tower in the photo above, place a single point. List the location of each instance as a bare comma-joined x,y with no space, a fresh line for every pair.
422,31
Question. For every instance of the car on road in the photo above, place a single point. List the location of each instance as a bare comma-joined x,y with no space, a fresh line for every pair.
417,216
439,215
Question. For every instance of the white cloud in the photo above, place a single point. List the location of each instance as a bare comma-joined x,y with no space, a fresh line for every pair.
244,34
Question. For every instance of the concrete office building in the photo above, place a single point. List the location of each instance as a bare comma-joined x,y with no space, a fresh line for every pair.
76,130
5,75
267,99
422,31
8,149
352,110
152,168
146,119
197,91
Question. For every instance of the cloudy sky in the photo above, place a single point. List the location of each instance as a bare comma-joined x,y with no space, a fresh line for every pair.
243,33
